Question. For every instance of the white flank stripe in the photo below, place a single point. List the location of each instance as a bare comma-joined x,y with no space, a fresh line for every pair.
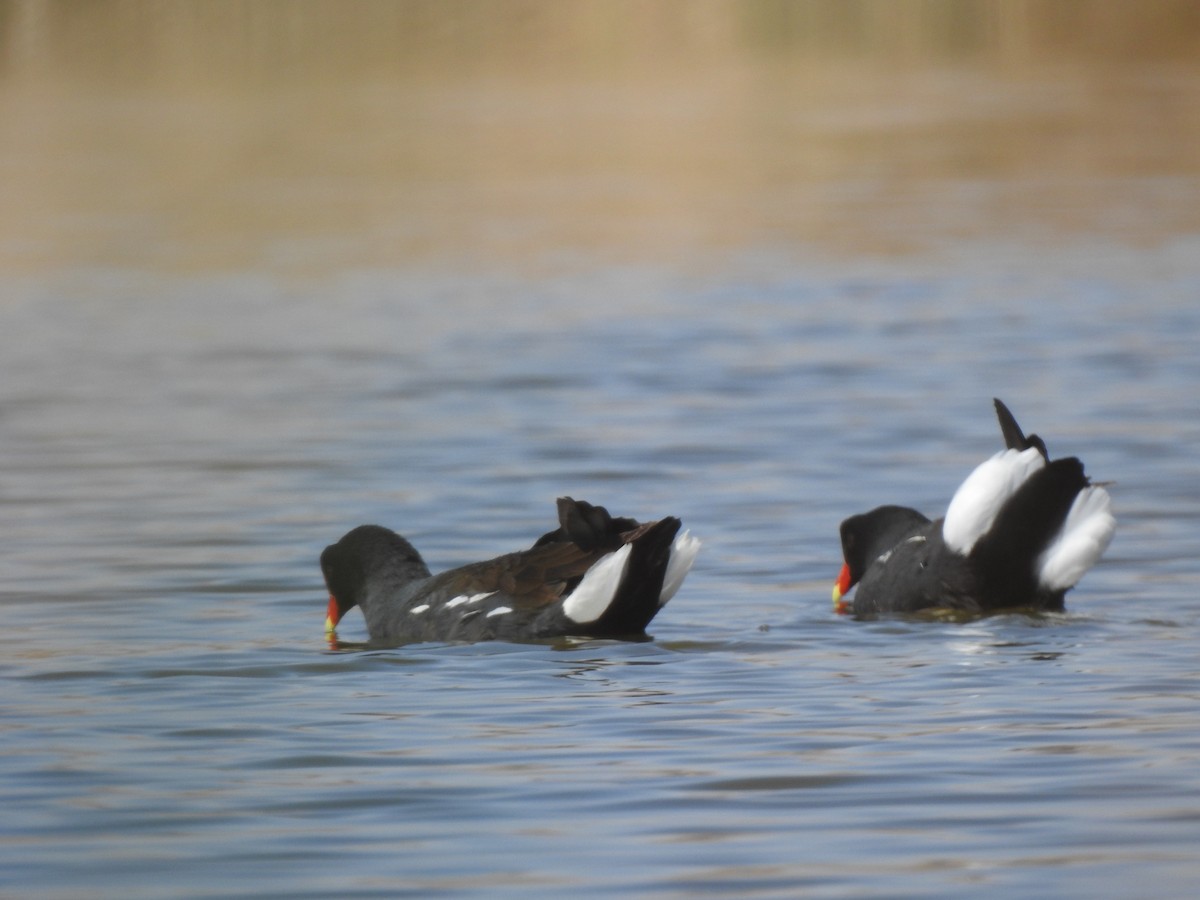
887,554
416,610
683,554
588,602
977,501
499,611
463,598
1084,537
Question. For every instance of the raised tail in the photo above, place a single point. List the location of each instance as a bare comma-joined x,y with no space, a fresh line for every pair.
642,569
620,594
1031,526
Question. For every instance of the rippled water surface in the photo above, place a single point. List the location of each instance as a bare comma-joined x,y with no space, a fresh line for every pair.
182,433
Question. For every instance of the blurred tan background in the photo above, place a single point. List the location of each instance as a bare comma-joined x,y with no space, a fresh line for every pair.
309,137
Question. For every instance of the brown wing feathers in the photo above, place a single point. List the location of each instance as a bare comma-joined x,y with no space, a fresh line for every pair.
557,561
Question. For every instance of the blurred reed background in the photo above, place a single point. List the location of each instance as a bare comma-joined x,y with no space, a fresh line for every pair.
304,138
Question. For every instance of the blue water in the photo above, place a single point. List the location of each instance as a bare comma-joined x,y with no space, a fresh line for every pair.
177,449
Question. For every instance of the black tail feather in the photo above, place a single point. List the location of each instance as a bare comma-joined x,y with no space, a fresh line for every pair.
1014,438
588,526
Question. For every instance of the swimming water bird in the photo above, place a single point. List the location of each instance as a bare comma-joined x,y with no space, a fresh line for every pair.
1018,534
595,576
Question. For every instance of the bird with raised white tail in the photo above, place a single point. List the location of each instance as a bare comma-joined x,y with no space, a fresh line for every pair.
1019,533
593,576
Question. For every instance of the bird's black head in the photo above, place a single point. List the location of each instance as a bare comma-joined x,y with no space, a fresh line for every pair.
365,553
868,536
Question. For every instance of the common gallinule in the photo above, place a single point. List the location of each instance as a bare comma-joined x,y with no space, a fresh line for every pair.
1019,533
595,575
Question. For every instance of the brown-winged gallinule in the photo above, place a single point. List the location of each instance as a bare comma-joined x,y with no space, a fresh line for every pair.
595,576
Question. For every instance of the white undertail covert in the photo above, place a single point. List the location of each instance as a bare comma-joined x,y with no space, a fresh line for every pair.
1080,542
978,500
599,586
683,554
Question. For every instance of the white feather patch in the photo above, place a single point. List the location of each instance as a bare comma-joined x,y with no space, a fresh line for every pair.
499,611
1080,543
416,610
595,592
463,598
975,504
683,555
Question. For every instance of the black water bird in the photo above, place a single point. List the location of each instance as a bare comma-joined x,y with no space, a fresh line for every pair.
595,575
1018,534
